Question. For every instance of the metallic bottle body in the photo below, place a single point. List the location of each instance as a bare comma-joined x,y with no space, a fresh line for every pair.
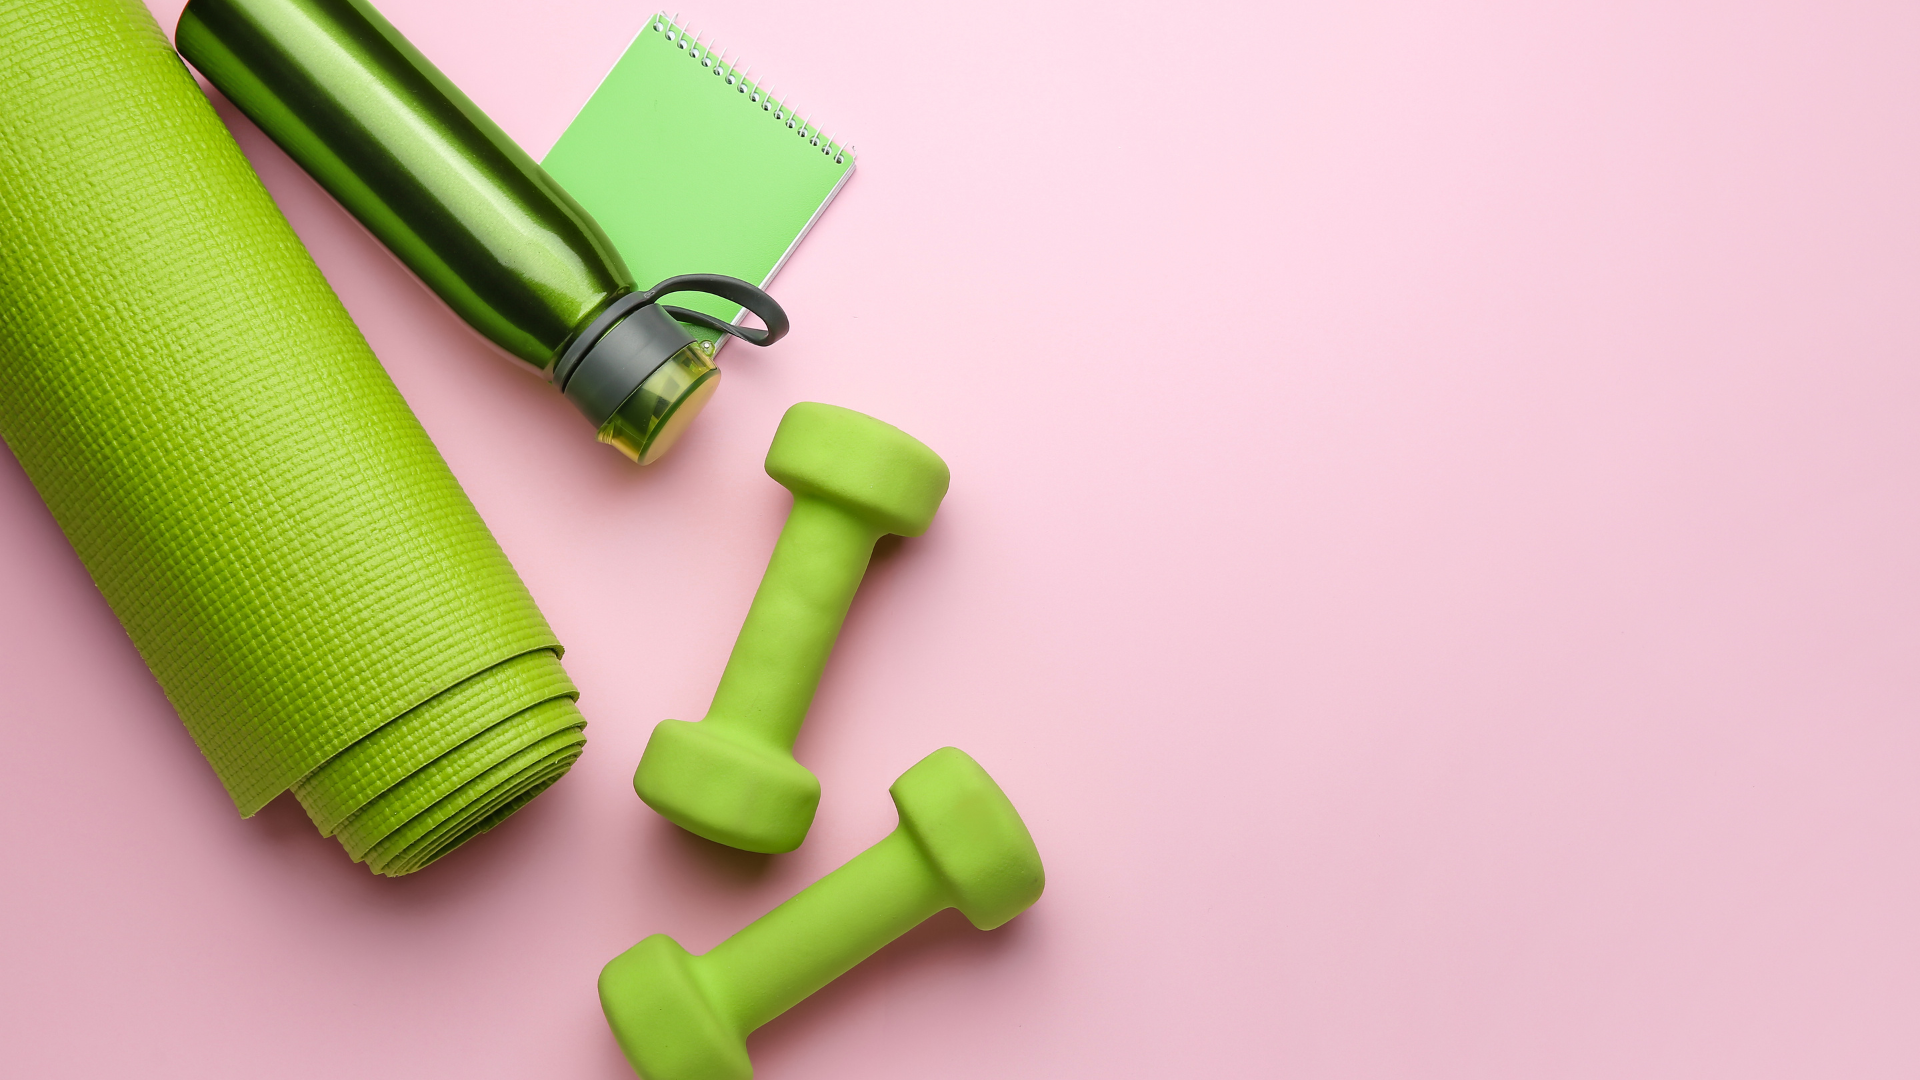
337,87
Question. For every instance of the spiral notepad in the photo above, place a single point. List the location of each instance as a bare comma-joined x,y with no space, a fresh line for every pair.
691,166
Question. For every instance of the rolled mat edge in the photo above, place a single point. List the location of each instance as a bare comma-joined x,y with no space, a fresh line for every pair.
283,544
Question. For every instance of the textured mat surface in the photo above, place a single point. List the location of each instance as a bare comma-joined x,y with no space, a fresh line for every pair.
283,544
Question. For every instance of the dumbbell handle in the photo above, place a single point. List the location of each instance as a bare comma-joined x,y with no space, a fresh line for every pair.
822,932
783,646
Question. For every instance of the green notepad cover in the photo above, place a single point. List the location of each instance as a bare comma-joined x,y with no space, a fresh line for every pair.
692,168
285,547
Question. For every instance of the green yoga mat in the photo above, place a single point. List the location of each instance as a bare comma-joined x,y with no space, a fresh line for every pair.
283,544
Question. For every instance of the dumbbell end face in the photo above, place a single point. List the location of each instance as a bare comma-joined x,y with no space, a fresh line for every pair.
886,476
662,1019
728,789
971,833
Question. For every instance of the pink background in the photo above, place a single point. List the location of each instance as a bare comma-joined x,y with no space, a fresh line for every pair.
1431,553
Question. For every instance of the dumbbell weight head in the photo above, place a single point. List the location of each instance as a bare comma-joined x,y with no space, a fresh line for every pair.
733,790
969,831
865,466
663,1020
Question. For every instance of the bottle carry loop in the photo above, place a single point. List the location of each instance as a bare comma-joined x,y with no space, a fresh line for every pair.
748,296
744,293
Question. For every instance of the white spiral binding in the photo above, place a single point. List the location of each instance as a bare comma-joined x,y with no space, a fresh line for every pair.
756,94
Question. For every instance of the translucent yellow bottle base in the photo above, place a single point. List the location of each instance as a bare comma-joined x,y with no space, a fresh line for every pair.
646,425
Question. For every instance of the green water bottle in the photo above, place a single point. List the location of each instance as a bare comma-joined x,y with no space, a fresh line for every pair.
337,87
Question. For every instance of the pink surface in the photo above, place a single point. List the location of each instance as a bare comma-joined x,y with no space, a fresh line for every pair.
1431,553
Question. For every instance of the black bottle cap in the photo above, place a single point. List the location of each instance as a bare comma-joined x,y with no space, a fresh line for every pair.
633,336
622,359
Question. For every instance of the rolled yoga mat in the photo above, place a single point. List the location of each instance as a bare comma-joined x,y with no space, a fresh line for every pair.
283,544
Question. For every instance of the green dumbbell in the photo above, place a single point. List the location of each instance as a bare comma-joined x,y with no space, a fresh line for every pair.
960,843
731,777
